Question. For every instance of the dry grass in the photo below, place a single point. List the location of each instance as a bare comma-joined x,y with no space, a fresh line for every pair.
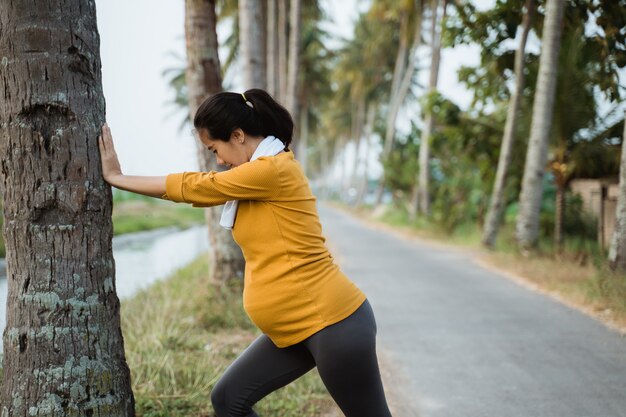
594,290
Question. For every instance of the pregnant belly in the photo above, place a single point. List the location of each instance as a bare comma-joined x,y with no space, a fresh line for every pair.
283,310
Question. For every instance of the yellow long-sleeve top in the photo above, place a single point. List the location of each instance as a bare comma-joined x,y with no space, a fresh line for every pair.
292,287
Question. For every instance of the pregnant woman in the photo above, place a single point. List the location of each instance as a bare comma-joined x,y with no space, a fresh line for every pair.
309,312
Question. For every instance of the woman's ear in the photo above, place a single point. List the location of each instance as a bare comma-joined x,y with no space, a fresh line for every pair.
238,136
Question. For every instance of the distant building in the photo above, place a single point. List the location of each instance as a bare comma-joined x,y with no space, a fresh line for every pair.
599,198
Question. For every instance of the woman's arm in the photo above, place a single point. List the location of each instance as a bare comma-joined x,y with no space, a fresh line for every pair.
150,186
112,172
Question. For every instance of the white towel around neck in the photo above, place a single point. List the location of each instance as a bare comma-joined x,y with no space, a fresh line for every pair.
269,146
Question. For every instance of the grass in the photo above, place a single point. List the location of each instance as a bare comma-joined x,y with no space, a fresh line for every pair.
139,215
577,274
180,335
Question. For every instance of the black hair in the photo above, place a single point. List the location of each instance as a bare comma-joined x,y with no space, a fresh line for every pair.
224,112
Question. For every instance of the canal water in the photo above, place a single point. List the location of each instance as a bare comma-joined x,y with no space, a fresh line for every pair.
143,258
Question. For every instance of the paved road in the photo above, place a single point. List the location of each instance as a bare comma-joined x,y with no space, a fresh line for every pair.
459,340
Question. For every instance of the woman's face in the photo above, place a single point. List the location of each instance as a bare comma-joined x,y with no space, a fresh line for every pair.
231,153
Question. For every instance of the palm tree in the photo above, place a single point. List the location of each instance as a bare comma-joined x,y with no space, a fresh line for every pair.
579,128
291,99
336,127
203,74
228,11
368,133
527,228
351,71
368,65
204,78
496,204
272,48
63,344
404,67
617,252
252,44
315,66
282,49
363,74
293,70
575,111
422,197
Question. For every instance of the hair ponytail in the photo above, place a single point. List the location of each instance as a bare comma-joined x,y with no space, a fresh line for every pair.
224,112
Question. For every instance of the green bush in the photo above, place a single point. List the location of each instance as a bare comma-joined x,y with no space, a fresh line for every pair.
577,223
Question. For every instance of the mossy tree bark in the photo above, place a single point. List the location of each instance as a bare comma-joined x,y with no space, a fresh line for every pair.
63,345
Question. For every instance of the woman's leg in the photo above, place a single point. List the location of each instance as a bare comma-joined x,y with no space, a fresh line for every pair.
345,355
259,370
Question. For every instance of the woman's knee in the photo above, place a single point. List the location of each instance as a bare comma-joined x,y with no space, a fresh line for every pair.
218,400
228,400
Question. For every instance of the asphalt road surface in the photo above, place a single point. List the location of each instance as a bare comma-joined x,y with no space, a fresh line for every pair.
457,340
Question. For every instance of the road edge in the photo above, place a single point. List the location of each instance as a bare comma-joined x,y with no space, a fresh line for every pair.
476,257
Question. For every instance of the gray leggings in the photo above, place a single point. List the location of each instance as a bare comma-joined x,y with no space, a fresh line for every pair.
345,356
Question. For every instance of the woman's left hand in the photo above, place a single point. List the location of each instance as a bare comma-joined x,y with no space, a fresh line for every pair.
108,156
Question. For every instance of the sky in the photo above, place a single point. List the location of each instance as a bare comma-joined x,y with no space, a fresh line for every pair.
137,43
137,46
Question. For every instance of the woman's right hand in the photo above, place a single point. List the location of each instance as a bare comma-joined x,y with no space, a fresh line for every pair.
108,156
112,172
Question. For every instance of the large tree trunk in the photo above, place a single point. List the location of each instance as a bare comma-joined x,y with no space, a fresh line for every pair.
400,68
203,72
303,143
263,42
527,228
63,344
369,128
400,83
339,156
324,165
282,50
272,49
203,75
252,40
617,252
291,99
497,202
358,128
422,196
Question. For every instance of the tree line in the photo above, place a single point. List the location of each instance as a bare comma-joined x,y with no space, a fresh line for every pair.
538,119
